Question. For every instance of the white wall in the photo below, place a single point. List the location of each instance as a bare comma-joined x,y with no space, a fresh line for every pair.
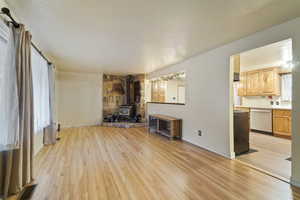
265,102
79,99
3,4
208,93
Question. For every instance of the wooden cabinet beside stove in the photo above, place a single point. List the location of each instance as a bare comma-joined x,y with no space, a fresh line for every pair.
282,123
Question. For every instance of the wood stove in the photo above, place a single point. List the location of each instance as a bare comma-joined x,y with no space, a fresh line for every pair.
127,111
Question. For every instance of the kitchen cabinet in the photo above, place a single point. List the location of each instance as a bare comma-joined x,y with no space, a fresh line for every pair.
242,88
253,83
264,82
282,123
270,81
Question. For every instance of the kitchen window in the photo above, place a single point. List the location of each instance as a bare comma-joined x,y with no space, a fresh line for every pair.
286,87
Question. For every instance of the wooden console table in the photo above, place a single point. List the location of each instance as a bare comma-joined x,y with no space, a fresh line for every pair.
165,125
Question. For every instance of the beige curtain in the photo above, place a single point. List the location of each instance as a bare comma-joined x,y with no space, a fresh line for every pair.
50,132
16,166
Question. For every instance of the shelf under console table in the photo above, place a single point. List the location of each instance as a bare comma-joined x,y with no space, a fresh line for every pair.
170,127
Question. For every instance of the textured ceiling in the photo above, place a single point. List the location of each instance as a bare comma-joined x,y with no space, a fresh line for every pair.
136,36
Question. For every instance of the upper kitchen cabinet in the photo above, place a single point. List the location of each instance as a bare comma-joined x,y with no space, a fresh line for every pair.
253,83
270,82
264,82
242,89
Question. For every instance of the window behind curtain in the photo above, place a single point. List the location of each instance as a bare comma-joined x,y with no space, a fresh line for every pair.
9,110
4,140
40,91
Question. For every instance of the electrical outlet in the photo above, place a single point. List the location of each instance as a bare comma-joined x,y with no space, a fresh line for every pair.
199,132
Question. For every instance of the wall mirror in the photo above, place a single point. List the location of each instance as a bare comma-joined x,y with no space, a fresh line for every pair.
169,89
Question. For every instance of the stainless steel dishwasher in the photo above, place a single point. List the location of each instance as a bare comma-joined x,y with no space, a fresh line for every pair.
261,120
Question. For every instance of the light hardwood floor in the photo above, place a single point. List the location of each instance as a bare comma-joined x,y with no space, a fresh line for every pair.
271,154
98,163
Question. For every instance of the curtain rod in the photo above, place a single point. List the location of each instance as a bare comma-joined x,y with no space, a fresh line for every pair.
39,51
6,12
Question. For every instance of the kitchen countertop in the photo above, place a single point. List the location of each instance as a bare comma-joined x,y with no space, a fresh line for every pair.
269,108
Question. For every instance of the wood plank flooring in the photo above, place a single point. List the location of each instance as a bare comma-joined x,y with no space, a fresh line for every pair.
101,163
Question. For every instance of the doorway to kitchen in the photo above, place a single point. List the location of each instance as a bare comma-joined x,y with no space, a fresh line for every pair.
262,107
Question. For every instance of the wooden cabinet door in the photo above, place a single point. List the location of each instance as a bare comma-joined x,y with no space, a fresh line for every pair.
290,127
264,82
270,81
267,81
253,83
281,125
282,122
242,90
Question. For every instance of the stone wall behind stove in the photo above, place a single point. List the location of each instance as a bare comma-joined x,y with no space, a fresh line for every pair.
112,99
114,93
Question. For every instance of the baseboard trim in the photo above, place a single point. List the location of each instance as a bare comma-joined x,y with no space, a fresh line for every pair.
205,148
80,125
262,132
